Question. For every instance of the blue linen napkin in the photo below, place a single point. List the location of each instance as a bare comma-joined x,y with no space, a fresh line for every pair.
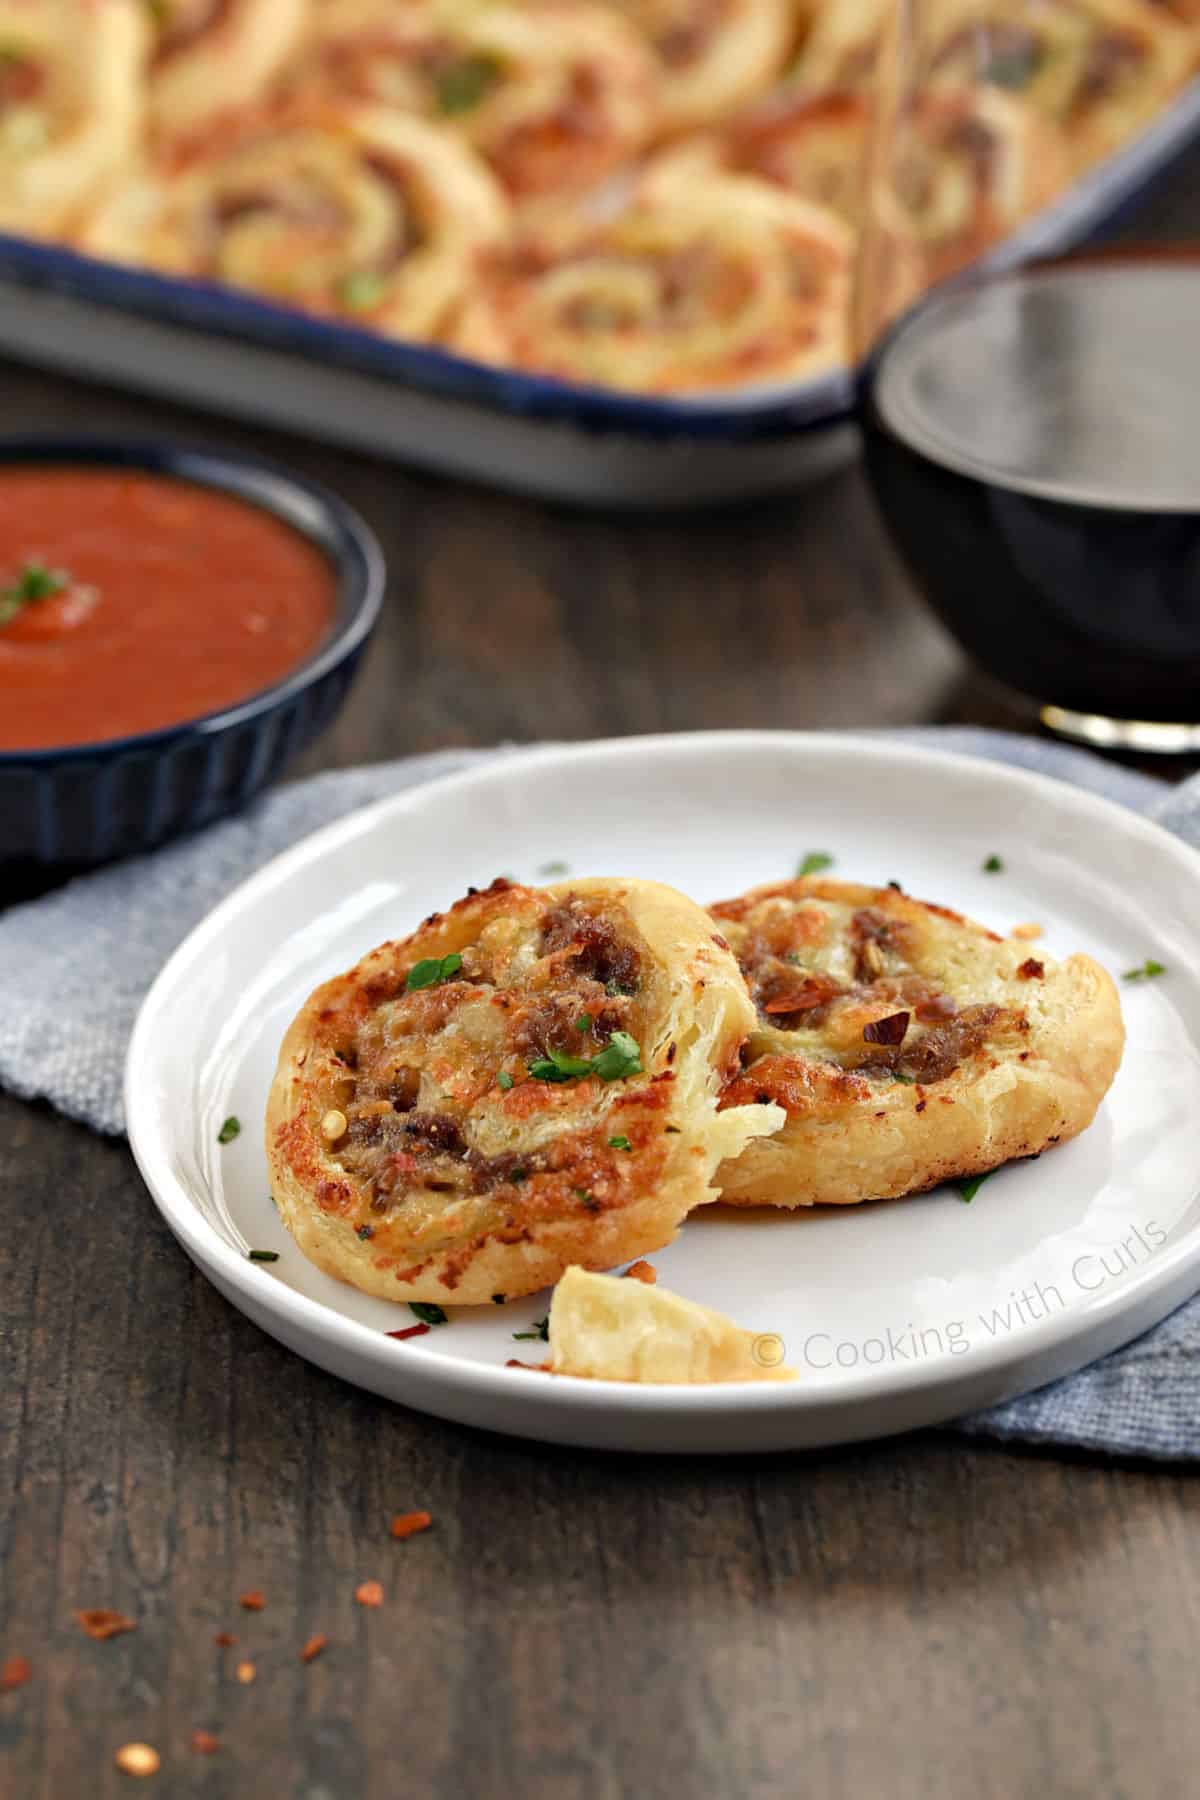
75,965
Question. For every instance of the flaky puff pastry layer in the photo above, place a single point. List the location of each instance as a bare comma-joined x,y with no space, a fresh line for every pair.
908,1045
71,86
436,1130
342,210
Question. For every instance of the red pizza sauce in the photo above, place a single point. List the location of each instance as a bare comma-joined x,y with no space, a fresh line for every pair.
131,601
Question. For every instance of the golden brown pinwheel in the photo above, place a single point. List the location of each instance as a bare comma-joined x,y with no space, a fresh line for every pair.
353,211
730,285
907,1045
211,57
528,1081
556,94
70,106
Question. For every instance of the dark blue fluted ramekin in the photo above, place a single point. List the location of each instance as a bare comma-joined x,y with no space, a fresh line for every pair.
89,803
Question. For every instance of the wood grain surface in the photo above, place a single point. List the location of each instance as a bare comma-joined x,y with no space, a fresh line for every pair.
930,1617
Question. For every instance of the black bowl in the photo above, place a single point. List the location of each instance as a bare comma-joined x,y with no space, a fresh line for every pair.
88,803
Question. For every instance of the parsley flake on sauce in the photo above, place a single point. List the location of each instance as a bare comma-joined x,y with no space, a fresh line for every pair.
432,970
229,1130
1147,971
993,865
427,1312
504,1080
619,1143
34,582
813,862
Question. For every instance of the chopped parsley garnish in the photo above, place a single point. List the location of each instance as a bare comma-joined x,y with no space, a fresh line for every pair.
620,990
366,1231
433,969
462,85
619,1057
619,1143
504,1080
555,868
968,1189
899,1075
993,865
362,289
556,1065
229,1130
814,861
262,1256
540,1332
34,582
584,1022
1148,970
427,1312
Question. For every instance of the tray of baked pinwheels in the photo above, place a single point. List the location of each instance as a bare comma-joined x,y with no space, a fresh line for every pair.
601,250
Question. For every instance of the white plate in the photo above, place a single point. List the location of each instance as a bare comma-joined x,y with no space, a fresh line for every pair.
896,1315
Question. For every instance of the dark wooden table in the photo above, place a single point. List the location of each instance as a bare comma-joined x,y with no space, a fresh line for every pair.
925,1617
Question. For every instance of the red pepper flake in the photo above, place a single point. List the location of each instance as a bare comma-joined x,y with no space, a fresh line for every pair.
369,1593
409,1331
1031,969
253,1600
404,1525
204,1743
314,1647
100,1623
224,1640
15,1673
536,1368
246,1673
641,1270
138,1759
886,1031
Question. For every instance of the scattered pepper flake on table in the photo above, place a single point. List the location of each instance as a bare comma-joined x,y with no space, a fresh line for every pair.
253,1600
224,1640
15,1673
410,1331
404,1525
313,1647
204,1743
641,1270
138,1759
369,1593
100,1622
246,1673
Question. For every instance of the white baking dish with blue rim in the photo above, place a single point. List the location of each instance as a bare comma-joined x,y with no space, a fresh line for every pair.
250,358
